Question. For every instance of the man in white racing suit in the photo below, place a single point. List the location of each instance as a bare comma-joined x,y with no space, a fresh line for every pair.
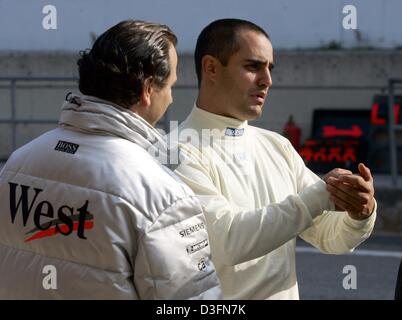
256,192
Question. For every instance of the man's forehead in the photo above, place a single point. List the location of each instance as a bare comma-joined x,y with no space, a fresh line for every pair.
254,46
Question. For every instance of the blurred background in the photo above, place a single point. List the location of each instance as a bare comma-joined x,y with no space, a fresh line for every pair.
336,94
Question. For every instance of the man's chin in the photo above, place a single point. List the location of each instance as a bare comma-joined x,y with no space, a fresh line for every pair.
250,113
255,112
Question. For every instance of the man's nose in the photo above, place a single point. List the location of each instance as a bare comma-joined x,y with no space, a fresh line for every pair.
265,79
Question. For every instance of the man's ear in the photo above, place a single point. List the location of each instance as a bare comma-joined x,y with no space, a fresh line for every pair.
146,93
210,67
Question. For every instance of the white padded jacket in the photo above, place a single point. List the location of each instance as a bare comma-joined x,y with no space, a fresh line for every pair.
87,213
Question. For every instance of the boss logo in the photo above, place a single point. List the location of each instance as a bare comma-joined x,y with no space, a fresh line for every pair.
67,147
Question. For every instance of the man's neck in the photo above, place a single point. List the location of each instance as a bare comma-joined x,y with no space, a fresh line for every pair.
211,105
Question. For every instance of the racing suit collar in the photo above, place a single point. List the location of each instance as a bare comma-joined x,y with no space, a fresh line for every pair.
228,127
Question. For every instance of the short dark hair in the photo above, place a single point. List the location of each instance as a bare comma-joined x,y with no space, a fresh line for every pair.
122,58
219,40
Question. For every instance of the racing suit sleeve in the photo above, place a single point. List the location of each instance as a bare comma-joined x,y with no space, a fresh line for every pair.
238,235
333,231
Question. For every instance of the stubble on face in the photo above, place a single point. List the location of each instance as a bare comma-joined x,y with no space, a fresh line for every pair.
246,78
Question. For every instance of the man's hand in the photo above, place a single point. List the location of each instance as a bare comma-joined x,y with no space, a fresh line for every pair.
336,173
352,193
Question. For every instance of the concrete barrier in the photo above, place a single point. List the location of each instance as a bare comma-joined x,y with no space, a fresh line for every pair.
303,81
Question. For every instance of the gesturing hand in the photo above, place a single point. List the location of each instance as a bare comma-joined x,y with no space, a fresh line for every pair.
336,173
351,192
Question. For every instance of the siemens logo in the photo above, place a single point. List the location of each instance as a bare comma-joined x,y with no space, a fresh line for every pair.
197,227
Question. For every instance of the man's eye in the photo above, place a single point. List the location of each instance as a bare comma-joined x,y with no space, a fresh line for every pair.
252,67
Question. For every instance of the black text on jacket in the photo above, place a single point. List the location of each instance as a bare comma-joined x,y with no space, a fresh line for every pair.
64,224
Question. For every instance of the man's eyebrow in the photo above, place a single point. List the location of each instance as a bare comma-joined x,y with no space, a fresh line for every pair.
256,61
260,62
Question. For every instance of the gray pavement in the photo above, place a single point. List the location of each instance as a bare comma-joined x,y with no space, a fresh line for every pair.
321,276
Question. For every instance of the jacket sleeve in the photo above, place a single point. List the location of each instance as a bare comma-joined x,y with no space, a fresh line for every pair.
239,235
173,256
333,231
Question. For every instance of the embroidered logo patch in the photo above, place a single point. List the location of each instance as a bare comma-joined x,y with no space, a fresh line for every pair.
67,147
197,246
233,132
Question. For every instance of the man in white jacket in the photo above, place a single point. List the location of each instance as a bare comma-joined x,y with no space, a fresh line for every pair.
256,191
85,211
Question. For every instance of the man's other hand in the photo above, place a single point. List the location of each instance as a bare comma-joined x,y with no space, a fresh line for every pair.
351,192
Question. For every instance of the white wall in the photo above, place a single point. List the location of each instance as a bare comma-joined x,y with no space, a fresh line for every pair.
303,81
291,23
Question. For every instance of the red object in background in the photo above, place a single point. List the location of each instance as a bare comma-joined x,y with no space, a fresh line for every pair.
326,151
292,132
375,118
331,132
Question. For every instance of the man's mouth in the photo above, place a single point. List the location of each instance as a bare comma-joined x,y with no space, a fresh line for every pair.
259,96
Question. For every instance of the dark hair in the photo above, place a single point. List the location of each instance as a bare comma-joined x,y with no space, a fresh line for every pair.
219,40
122,58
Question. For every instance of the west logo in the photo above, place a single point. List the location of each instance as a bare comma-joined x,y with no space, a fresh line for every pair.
65,223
